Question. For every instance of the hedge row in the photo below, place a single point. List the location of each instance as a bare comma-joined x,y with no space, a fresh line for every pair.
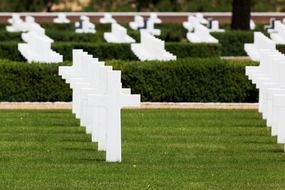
233,42
186,80
230,41
189,80
20,81
108,51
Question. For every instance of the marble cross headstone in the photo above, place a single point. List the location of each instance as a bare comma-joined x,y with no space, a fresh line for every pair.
61,19
113,101
17,24
154,18
107,19
84,25
151,48
118,35
98,97
137,23
201,34
38,47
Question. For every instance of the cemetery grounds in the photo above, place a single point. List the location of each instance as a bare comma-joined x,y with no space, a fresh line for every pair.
162,149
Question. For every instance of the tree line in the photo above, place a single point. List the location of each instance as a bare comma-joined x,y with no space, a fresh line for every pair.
139,5
240,8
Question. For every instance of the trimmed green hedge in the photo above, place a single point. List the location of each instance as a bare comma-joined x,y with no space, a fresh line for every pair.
103,51
31,82
8,37
106,51
233,42
186,50
61,33
172,32
187,80
9,50
56,36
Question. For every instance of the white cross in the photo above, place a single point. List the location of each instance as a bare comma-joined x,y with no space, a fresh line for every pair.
112,101
98,97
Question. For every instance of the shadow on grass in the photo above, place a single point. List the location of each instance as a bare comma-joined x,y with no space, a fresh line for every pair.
77,140
82,149
91,160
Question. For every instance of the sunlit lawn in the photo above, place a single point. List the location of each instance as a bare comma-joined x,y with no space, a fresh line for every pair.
162,149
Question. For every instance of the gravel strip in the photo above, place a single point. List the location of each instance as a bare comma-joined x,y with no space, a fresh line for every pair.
144,105
236,58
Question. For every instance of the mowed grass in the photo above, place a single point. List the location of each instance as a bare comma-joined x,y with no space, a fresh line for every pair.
162,149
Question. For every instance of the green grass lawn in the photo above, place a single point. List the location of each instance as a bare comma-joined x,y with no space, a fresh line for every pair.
162,149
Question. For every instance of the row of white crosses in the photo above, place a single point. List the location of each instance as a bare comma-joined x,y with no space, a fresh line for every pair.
107,19
61,19
270,81
37,47
197,32
148,26
118,34
137,23
97,99
201,34
214,26
277,33
153,19
193,20
198,18
151,48
84,25
19,25
260,42
271,27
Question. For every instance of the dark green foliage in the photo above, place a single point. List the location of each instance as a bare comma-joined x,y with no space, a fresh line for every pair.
31,82
9,50
107,51
58,27
184,50
123,51
187,80
6,36
172,32
57,36
233,42
75,37
281,48
103,51
65,33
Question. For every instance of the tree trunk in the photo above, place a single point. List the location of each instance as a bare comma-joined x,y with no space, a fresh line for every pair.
241,15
